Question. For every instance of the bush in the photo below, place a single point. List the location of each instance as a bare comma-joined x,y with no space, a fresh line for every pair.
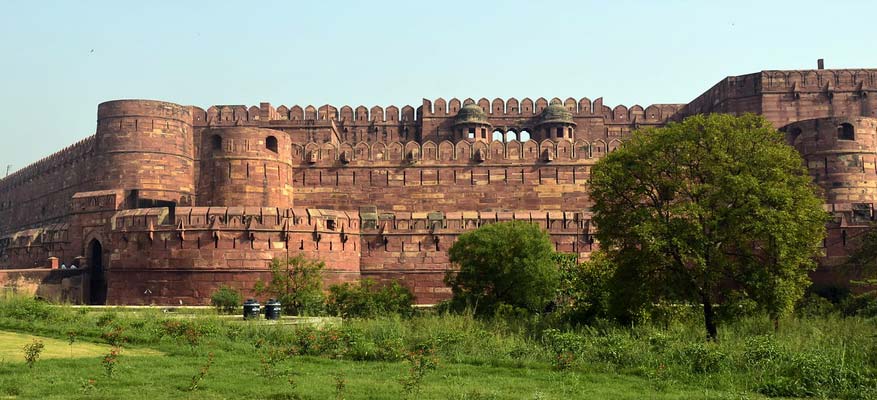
297,283
814,305
862,305
503,263
25,308
705,358
366,299
226,300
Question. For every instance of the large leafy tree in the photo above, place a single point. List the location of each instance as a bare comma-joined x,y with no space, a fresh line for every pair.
508,263
712,208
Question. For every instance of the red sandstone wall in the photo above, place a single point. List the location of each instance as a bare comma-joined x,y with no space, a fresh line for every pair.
40,193
154,261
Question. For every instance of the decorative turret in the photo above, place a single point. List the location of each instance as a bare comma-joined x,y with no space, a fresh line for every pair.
555,122
471,123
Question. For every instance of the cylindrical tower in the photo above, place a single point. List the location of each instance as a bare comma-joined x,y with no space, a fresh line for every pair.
146,148
840,155
243,166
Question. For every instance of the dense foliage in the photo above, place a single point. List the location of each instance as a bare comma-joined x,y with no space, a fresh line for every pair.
506,264
368,299
712,209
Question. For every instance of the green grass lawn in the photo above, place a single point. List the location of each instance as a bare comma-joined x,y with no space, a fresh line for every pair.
818,357
239,376
12,345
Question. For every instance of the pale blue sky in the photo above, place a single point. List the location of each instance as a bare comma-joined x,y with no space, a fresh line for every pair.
382,53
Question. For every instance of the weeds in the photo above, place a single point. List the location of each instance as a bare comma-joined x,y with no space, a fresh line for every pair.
110,361
340,386
198,378
420,362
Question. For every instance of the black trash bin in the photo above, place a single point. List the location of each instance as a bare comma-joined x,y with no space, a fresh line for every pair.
272,309
251,309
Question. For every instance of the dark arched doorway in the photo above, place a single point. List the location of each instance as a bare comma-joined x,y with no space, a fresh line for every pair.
97,280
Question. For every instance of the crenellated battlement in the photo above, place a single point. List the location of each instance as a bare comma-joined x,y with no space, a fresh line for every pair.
230,115
527,108
77,152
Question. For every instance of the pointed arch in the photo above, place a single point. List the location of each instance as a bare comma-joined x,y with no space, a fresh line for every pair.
454,106
513,150
463,151
446,151
430,150
362,151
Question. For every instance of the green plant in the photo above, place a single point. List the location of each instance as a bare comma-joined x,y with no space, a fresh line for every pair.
705,358
198,378
420,362
87,386
367,299
297,283
115,337
71,338
226,300
110,361
340,386
32,352
503,263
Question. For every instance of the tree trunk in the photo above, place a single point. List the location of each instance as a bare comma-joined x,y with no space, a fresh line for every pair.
709,319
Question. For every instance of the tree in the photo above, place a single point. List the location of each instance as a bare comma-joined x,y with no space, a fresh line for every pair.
297,283
504,263
714,207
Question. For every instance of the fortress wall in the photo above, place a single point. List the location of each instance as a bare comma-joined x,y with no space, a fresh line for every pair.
412,247
147,146
447,176
39,194
787,96
154,261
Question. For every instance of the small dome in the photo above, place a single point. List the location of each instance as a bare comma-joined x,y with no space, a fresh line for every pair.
471,114
556,113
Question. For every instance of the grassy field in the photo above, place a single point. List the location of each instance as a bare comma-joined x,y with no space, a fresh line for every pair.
427,357
11,345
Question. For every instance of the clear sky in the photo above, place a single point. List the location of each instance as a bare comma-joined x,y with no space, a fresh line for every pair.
61,58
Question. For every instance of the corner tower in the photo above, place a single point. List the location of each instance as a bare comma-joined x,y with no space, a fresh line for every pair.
146,148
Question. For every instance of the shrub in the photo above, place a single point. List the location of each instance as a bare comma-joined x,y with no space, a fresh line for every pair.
297,283
862,305
32,352
814,305
503,263
25,308
226,300
705,358
367,299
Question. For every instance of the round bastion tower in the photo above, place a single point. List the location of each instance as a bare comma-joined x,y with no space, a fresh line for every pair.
146,148
245,167
840,155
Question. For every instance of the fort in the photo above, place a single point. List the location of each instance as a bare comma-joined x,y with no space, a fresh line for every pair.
166,202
